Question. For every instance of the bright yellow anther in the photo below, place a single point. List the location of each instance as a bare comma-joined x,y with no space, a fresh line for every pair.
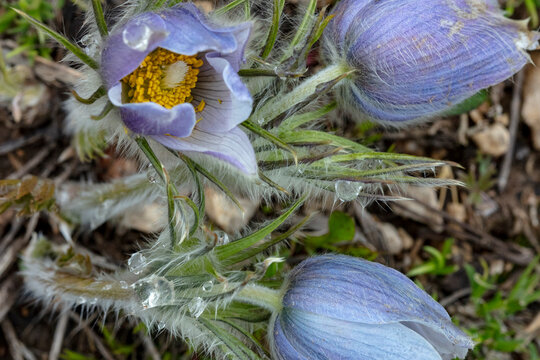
165,78
200,107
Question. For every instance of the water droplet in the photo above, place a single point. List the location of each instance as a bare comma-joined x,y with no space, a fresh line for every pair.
222,238
137,263
90,44
155,291
261,121
107,287
151,176
124,285
137,36
196,307
93,301
347,190
81,300
207,286
161,325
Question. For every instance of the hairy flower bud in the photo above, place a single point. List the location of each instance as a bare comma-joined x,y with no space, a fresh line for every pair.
340,307
416,59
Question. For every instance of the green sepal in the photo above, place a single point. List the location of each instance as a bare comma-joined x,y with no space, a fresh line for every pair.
231,253
77,51
270,137
230,342
256,344
245,312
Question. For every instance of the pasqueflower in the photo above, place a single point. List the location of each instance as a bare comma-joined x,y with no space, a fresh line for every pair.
340,307
416,59
173,76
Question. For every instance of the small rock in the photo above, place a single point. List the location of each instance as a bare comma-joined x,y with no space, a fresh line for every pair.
226,214
493,140
531,98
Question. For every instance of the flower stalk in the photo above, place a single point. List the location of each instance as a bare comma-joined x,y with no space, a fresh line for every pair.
262,296
277,106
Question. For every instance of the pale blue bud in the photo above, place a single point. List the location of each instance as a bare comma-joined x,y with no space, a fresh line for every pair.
416,59
340,307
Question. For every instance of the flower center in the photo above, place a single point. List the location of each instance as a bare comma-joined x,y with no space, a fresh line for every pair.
164,77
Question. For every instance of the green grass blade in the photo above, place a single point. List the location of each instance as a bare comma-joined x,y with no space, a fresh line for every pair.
272,35
229,7
100,18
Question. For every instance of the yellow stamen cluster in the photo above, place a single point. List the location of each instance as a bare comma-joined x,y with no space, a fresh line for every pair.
146,83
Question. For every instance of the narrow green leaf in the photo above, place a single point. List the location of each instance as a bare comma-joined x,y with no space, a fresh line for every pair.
226,253
232,343
304,26
229,7
170,188
200,191
100,18
251,126
273,184
315,137
104,112
266,243
195,210
296,121
77,51
247,334
272,35
99,93
215,180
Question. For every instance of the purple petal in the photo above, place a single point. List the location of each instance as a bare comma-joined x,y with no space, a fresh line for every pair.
228,101
417,59
143,34
305,335
233,147
149,118
181,29
352,289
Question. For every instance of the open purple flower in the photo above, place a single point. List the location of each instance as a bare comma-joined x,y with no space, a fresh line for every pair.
416,59
173,75
340,307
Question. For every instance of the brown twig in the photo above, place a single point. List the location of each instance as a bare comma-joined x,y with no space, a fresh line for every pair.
510,251
59,333
515,111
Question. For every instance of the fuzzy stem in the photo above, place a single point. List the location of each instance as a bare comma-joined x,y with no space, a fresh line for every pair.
90,288
262,296
274,108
